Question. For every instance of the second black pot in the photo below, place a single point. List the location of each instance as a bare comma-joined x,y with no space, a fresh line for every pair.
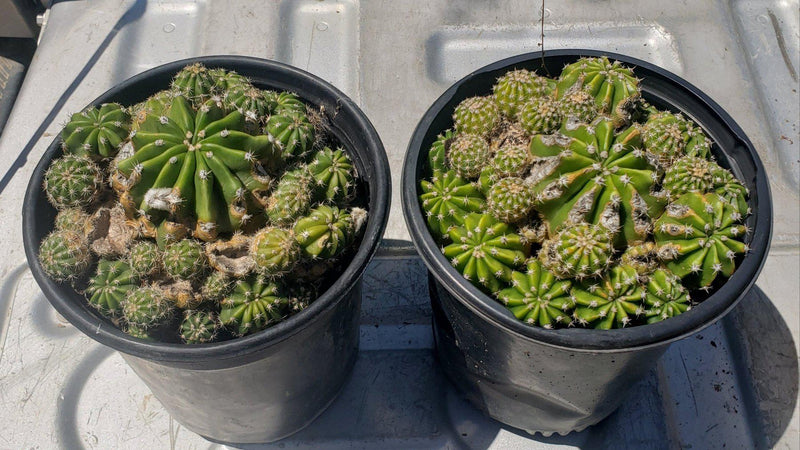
562,380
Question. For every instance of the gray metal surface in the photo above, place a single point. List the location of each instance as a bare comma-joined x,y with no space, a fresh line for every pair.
733,385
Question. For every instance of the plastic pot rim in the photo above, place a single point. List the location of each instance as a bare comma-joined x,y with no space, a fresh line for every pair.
583,339
242,350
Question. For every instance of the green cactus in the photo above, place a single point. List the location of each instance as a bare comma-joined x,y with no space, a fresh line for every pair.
285,102
541,115
487,178
138,333
64,255
198,327
476,115
334,174
577,106
274,251
216,286
511,160
226,80
643,257
732,191
144,259
665,296
447,199
534,231
74,219
670,136
292,133
699,233
146,307
485,251
510,200
696,174
291,198
579,251
251,103
72,181
614,301
614,87
326,232
195,82
157,105
110,285
96,133
516,87
537,297
468,154
255,304
592,174
185,260
169,232
437,158
196,167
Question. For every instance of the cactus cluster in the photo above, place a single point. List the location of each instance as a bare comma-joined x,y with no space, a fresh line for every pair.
574,202
230,208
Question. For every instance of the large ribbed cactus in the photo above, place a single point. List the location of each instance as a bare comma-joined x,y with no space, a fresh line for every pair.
195,82
613,301
447,199
196,167
485,251
537,297
613,86
701,235
592,174
97,132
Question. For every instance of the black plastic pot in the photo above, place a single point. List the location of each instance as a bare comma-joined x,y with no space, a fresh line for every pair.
567,379
268,385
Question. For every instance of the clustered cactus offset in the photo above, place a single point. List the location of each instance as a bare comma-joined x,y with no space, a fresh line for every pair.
574,202
230,208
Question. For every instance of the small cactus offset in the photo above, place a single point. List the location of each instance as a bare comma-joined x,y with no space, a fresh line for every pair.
96,133
447,199
64,255
229,203
665,296
485,251
254,305
614,301
537,297
620,208
73,181
110,285
476,115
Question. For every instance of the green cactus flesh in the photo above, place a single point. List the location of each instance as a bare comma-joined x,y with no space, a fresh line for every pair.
510,200
74,219
437,156
447,199
541,115
291,198
250,102
537,297
198,327
643,257
227,80
96,133
72,181
670,136
254,305
695,174
516,87
468,154
665,296
195,82
325,232
64,255
333,174
216,286
156,105
185,260
512,160
110,285
285,102
146,307
579,251
198,167
699,233
614,301
292,133
476,115
577,106
485,251
487,178
590,173
614,87
274,251
145,259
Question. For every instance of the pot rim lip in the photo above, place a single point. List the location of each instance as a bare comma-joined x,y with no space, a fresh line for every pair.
235,351
584,339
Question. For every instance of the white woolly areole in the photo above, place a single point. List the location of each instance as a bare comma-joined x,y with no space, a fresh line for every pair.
359,216
161,198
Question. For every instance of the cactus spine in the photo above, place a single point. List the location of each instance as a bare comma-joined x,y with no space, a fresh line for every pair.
72,181
537,297
64,255
110,285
